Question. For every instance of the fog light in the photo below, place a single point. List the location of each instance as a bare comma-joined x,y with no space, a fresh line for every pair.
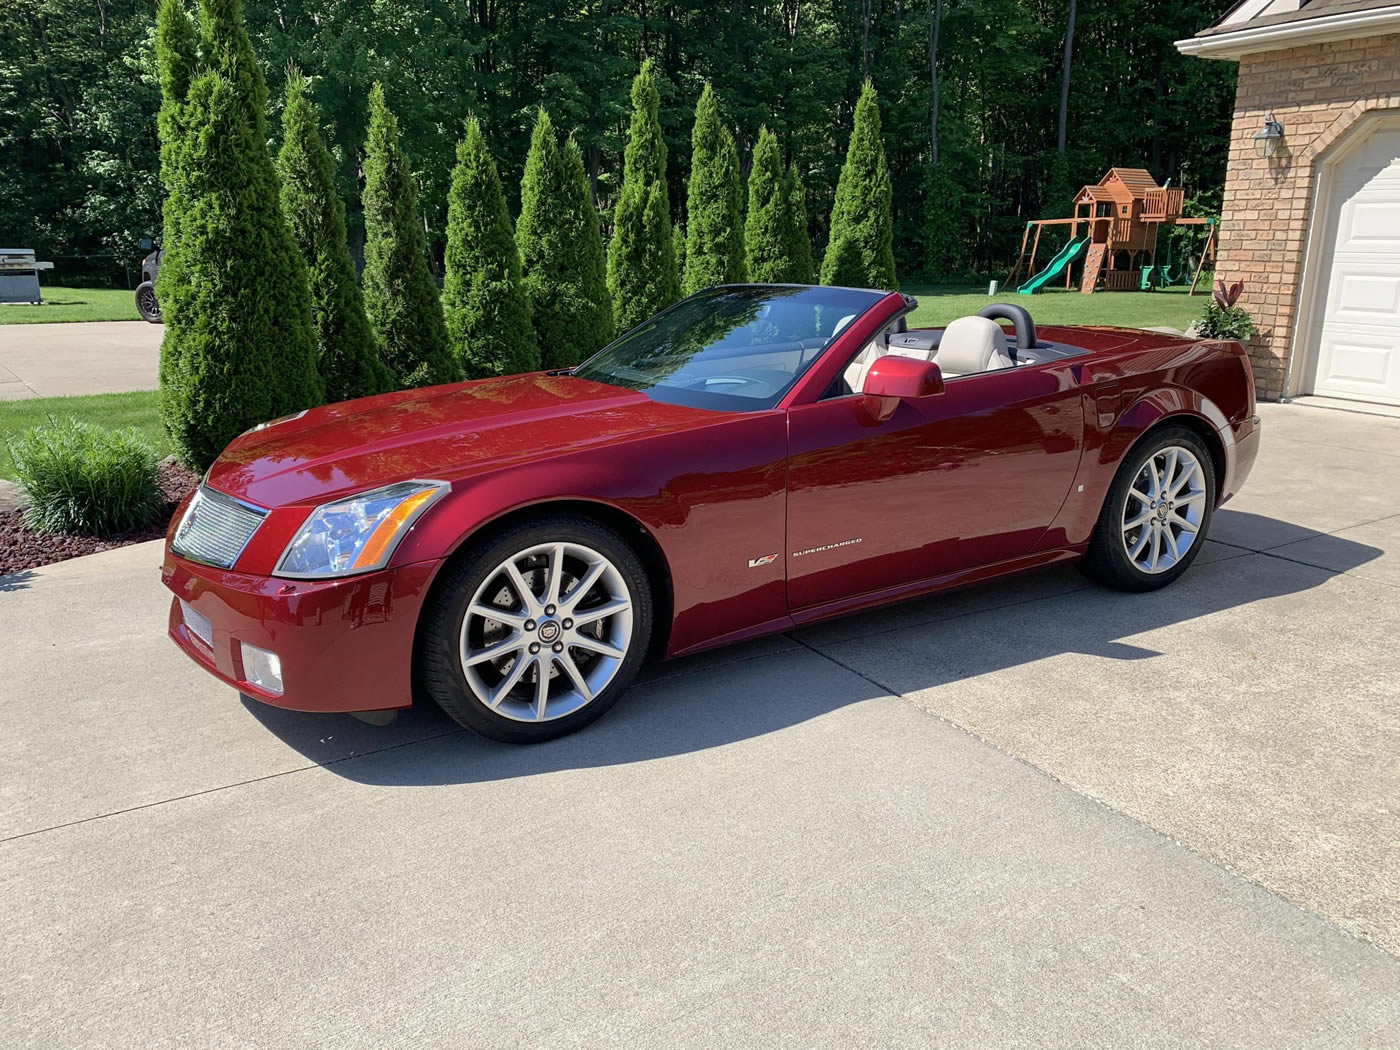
262,669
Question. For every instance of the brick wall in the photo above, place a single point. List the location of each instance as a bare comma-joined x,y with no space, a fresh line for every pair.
1316,92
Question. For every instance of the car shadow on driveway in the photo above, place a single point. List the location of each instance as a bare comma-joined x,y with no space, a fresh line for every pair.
757,688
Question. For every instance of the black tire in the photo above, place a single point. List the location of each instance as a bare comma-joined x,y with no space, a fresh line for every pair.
146,304
440,669
1107,560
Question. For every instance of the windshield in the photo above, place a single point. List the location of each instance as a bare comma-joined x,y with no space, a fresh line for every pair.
737,348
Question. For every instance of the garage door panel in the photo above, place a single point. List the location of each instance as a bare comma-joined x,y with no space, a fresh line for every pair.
1358,338
1364,294
1371,226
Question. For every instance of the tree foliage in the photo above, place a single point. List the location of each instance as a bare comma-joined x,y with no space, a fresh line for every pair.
642,276
401,296
488,313
861,214
79,94
561,249
768,230
804,270
714,214
347,350
239,344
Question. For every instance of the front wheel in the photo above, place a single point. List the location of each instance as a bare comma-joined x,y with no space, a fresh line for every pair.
146,304
538,632
1154,521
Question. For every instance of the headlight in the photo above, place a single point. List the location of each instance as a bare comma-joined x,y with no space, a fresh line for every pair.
358,533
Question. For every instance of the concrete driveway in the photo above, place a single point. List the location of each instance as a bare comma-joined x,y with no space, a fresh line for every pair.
90,357
1034,814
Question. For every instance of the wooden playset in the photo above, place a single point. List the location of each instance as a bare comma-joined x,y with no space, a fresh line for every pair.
1114,228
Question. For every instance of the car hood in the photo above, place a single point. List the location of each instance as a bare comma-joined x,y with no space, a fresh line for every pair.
444,432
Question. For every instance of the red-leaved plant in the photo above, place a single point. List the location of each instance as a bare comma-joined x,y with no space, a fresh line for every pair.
1226,294
1223,319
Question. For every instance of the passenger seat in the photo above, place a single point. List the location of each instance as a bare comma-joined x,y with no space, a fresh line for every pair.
971,345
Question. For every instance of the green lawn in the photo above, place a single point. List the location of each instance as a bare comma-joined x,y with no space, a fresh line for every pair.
139,411
74,304
939,304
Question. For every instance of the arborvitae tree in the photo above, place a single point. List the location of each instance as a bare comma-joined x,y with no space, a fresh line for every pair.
227,50
768,231
861,214
483,296
561,249
714,214
239,345
177,54
401,296
804,269
348,353
642,275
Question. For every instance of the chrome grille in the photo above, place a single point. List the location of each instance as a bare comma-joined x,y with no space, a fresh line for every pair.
215,528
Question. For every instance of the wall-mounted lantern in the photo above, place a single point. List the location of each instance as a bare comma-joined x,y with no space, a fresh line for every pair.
1267,138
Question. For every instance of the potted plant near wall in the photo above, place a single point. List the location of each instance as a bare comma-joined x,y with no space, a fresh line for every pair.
1223,319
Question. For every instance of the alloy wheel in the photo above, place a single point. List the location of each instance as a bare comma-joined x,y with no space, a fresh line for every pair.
1164,508
546,632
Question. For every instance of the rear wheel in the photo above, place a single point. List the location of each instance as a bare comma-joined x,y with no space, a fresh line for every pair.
1154,521
539,632
146,303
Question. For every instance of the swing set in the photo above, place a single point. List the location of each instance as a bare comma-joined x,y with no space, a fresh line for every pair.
1120,218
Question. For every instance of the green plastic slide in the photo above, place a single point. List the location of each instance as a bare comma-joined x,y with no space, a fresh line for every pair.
1057,266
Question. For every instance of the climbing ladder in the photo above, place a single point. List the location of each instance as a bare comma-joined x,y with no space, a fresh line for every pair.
1093,263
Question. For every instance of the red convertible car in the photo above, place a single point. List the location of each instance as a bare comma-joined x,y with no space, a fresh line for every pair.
754,458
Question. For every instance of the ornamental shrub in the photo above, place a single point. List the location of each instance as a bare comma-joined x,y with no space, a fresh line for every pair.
401,296
239,342
768,236
561,250
226,50
1222,318
860,251
804,269
483,296
714,215
347,351
177,55
642,276
82,478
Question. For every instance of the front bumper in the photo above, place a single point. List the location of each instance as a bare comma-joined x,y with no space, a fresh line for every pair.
344,645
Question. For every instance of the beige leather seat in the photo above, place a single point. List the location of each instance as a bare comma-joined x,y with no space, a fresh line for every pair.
971,345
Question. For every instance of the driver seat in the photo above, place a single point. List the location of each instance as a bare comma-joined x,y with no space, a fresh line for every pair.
971,345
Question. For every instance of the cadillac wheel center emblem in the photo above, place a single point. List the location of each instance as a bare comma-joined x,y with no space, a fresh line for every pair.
549,632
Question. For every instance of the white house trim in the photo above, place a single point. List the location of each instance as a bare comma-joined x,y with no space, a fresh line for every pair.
1346,26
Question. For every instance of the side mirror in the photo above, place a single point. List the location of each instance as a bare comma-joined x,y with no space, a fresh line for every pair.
892,379
145,244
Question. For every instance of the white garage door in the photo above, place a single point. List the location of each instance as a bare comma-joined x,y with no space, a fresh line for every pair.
1359,342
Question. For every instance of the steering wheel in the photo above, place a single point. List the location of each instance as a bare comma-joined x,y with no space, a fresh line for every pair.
705,382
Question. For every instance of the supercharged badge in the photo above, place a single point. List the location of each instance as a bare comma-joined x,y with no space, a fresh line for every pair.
827,547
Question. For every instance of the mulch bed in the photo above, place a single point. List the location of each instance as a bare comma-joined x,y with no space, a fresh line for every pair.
22,548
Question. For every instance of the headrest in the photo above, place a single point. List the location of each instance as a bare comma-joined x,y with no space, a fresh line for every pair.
972,344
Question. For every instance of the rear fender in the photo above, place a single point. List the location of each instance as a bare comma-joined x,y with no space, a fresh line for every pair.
1106,448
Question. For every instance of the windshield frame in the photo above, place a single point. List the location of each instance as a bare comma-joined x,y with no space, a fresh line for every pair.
719,402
